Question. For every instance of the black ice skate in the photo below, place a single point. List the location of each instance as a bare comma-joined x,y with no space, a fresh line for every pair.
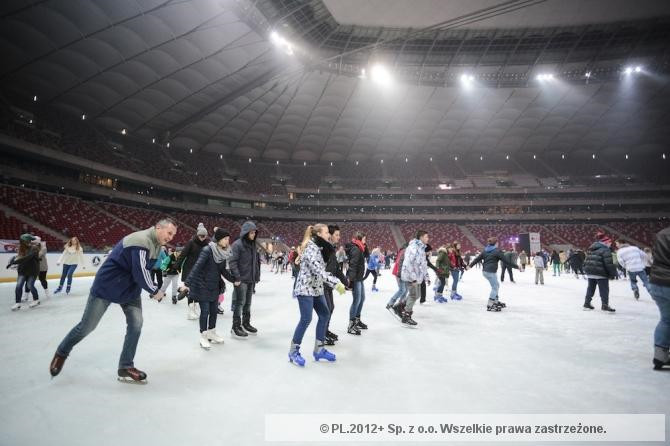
607,308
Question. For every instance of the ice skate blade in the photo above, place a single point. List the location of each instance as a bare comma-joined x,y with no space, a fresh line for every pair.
241,338
128,380
395,316
413,327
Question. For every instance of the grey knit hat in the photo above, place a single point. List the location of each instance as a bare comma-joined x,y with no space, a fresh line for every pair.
201,230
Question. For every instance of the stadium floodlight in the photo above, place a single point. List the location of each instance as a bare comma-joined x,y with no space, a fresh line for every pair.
190,150
281,43
153,140
628,70
455,158
380,74
506,157
357,163
431,159
406,160
467,79
638,69
664,156
35,98
563,156
249,159
168,145
123,131
626,156
277,162
587,74
545,77
83,117
304,163
221,156
593,156
534,157
331,164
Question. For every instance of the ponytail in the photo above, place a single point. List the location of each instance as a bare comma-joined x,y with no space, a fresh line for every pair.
311,231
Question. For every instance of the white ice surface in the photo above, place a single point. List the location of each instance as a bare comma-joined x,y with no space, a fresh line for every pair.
543,354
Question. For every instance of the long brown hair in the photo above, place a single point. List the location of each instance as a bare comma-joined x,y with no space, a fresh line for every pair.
311,231
73,241
24,248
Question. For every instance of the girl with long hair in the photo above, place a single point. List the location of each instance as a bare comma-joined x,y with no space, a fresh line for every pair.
28,266
73,256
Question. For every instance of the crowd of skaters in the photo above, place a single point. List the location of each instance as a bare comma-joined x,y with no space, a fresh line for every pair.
320,265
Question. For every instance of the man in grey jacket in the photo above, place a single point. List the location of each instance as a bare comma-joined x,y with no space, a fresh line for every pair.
245,266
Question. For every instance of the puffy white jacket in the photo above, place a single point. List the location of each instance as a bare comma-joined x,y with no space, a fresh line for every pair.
631,258
72,256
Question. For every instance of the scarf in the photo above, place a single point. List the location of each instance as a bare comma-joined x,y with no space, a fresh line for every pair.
326,248
219,253
360,244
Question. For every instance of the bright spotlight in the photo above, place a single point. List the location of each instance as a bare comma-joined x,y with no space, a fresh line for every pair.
363,75
638,69
587,74
380,74
628,70
545,77
275,38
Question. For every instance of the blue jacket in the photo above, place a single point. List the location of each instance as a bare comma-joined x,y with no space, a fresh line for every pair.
127,269
373,262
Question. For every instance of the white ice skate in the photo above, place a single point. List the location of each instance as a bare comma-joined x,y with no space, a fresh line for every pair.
16,307
191,312
34,303
213,337
204,341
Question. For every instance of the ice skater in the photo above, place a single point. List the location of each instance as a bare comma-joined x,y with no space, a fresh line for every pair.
73,256
632,259
308,290
28,266
600,269
659,287
245,265
489,259
120,280
414,272
204,284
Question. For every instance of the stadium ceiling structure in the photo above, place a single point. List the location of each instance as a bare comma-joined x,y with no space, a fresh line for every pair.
332,80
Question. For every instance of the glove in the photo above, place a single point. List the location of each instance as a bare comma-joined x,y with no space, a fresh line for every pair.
340,288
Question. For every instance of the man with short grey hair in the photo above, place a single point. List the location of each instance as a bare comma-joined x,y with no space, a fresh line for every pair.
121,279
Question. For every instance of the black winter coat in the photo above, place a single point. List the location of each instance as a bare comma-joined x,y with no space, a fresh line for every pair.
29,264
599,261
660,269
189,255
204,280
490,261
356,269
245,263
575,260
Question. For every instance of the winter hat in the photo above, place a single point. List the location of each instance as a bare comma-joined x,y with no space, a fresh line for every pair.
27,237
603,238
220,233
201,230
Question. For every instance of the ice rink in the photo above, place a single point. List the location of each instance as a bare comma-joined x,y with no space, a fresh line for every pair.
542,354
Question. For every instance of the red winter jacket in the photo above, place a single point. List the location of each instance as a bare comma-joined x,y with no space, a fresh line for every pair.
398,262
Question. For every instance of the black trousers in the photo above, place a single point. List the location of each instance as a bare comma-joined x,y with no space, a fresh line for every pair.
328,293
208,313
423,292
157,277
509,271
374,275
603,287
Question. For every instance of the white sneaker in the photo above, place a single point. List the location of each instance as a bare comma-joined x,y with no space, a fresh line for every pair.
26,296
34,303
213,337
191,312
204,342
16,307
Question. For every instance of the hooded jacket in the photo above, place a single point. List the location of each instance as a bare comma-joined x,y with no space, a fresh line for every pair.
415,264
204,280
126,270
599,262
660,269
490,258
443,263
245,262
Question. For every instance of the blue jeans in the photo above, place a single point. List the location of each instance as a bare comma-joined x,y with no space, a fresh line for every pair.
68,271
455,275
632,276
358,293
441,283
493,280
307,304
95,308
242,301
402,291
29,282
661,295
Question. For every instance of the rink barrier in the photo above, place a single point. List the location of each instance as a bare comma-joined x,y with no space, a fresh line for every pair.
92,262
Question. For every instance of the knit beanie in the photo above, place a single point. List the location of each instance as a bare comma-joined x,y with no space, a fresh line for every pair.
201,230
220,233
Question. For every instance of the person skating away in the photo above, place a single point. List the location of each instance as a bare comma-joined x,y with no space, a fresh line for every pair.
555,262
576,263
171,267
373,268
357,252
309,291
511,259
600,269
245,266
73,256
563,257
538,263
443,266
490,258
120,280
632,259
204,284
402,288
425,283
189,255
414,272
523,260
329,253
28,265
659,287
457,266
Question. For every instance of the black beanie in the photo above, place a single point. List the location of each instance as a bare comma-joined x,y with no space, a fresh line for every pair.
220,233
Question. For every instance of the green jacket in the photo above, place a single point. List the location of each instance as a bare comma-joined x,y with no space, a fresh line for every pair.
442,263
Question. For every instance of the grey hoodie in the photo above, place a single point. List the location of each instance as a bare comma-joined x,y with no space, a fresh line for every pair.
245,261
